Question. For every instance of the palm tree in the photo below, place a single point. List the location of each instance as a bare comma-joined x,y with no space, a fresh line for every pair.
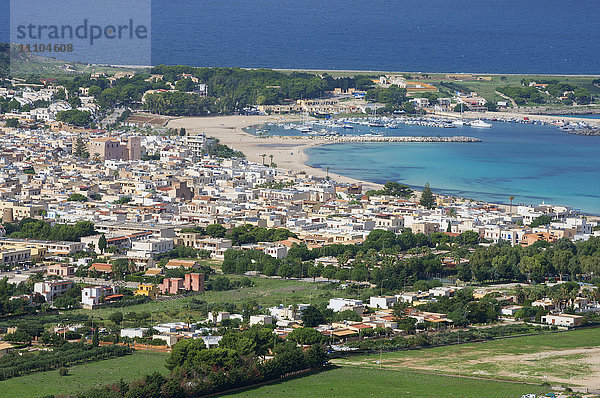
271,156
512,197
263,156
190,319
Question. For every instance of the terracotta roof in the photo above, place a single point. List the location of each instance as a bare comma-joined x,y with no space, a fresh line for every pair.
102,267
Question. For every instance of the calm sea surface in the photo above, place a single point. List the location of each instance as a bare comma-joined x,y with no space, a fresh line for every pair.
510,36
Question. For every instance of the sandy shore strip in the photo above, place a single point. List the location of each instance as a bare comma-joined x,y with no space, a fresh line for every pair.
288,152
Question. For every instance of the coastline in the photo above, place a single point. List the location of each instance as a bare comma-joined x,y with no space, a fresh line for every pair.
288,152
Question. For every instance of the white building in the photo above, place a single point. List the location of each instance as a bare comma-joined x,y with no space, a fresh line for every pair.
383,302
276,251
51,290
260,320
196,144
442,291
91,296
150,247
211,341
342,304
133,332
563,320
217,317
510,310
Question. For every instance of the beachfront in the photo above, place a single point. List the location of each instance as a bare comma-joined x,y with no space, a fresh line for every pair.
509,161
288,154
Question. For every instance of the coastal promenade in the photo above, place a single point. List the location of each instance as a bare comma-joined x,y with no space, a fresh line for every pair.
519,116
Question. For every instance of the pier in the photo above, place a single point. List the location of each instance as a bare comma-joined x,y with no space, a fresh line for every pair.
363,138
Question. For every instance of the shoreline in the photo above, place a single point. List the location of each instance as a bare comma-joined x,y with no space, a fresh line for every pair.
316,70
288,153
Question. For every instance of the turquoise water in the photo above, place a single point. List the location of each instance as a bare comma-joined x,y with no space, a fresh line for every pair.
532,162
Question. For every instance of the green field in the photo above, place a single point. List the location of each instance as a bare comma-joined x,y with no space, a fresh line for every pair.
563,358
84,377
266,292
354,382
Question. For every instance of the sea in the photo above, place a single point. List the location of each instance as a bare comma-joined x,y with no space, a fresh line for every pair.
534,163
510,36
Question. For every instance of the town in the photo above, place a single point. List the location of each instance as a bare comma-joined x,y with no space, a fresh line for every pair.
122,233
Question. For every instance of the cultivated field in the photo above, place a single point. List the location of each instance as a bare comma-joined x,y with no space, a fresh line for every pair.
84,377
571,358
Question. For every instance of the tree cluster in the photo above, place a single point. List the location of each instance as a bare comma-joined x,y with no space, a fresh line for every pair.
198,371
29,228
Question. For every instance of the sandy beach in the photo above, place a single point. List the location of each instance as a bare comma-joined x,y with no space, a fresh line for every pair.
288,152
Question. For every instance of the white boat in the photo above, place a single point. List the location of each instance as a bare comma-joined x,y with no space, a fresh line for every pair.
458,123
480,124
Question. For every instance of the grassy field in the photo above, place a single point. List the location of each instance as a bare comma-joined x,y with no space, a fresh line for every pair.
84,377
266,292
355,382
570,358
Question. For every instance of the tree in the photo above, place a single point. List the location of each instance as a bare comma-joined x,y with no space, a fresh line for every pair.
312,316
80,149
12,123
102,243
60,95
541,220
95,338
77,197
427,199
392,188
216,230
305,336
347,315
116,317
315,271
75,117
123,200
75,102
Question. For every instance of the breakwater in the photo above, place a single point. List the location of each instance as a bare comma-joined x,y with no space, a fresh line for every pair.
375,138
401,139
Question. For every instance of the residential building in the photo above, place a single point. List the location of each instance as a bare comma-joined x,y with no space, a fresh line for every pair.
567,320
383,302
171,286
52,290
148,290
94,295
61,270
